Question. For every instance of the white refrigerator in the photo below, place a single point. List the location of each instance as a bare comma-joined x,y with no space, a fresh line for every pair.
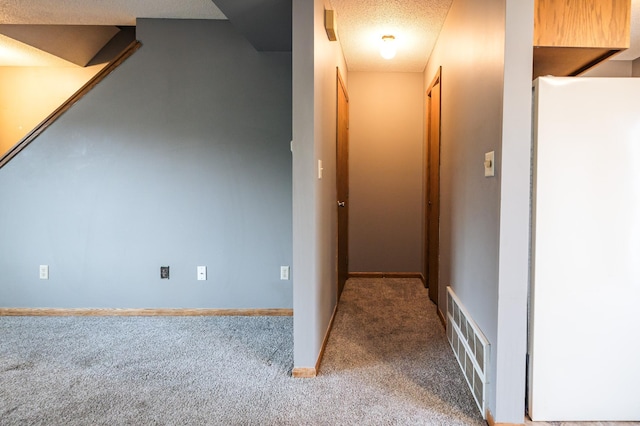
584,316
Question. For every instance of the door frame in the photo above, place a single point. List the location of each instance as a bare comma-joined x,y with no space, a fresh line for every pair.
432,201
342,187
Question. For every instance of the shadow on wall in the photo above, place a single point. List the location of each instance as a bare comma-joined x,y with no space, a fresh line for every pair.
29,94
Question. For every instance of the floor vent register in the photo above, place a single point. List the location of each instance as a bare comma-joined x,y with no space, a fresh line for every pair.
471,348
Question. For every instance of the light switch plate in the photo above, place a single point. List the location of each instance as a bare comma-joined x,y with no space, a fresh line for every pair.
284,272
489,164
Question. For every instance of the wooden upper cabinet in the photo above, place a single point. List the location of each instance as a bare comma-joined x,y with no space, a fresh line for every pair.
571,36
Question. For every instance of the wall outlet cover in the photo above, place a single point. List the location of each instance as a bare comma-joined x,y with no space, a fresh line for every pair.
44,272
164,272
202,273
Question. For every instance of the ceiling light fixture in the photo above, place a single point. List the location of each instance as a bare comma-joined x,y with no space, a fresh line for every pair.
388,47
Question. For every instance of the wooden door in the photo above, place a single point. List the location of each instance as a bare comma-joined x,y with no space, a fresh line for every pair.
433,187
342,181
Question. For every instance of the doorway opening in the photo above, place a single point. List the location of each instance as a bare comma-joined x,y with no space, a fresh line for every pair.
432,185
342,181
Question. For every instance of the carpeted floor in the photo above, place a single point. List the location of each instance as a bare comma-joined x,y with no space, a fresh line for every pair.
387,363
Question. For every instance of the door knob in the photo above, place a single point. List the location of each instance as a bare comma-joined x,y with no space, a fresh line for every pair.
340,203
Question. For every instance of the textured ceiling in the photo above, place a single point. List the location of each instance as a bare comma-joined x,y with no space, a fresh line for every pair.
75,43
87,12
414,23
103,12
16,54
361,25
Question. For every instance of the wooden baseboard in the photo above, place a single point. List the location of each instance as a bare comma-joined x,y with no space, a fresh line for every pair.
387,275
443,320
489,417
104,312
308,372
304,373
326,338
491,421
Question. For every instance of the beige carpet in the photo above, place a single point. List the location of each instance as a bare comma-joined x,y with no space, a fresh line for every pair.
388,342
387,363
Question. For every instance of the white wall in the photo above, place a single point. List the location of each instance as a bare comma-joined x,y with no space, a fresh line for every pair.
513,271
386,117
315,59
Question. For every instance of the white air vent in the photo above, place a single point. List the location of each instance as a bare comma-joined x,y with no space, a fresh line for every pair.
470,347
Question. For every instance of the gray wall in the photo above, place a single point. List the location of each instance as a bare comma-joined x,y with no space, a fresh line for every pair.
386,120
472,84
611,68
180,157
315,60
486,106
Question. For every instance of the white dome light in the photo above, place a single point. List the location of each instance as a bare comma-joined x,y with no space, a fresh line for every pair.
388,47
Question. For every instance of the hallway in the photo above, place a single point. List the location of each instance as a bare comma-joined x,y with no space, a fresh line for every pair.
388,343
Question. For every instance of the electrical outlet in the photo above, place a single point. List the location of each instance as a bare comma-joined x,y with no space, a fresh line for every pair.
44,272
202,273
164,272
284,272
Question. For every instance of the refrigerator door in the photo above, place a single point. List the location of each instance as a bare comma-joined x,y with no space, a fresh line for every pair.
584,342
